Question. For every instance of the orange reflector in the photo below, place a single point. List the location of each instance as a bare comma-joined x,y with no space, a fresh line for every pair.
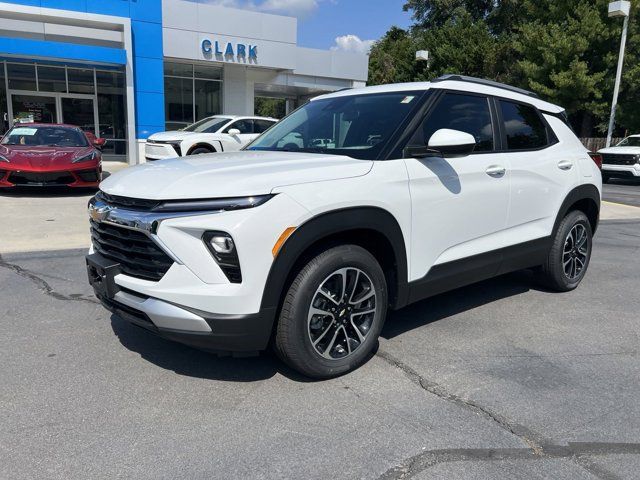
283,238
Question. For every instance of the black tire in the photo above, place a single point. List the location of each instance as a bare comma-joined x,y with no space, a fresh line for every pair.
293,342
552,273
201,150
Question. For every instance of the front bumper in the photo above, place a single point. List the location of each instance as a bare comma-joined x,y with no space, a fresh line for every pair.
88,177
239,335
621,170
158,151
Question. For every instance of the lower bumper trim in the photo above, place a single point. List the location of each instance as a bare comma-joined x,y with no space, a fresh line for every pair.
238,335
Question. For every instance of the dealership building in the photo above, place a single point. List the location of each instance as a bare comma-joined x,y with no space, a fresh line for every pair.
125,69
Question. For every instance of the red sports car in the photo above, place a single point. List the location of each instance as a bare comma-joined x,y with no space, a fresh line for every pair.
50,155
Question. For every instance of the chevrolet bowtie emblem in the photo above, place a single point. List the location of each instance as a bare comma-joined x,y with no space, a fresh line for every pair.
98,213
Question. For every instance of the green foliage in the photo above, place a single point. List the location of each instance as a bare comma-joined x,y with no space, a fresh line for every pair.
270,107
564,50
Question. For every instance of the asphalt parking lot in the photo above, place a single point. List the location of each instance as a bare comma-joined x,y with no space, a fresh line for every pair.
497,380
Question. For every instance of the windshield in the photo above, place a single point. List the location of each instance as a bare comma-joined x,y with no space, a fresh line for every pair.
207,125
630,142
45,136
358,126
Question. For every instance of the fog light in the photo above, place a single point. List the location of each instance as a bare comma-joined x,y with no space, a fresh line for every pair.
222,243
223,250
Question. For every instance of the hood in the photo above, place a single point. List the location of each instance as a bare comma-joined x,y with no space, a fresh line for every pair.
170,136
234,174
621,150
42,158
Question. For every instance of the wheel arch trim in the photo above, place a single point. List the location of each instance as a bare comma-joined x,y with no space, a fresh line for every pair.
326,225
587,192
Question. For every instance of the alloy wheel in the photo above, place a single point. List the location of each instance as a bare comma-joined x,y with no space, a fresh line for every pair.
575,251
341,313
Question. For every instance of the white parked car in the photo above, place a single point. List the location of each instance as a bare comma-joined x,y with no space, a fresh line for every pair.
217,134
360,202
621,160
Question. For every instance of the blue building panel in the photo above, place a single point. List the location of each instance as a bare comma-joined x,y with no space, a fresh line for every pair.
149,109
119,8
75,5
146,10
147,39
60,50
149,75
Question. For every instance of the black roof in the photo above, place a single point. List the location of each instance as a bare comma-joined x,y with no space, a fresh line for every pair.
482,81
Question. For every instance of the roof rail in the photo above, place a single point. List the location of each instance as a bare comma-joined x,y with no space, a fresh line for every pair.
482,81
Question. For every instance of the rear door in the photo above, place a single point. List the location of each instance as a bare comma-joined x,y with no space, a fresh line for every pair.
543,170
459,205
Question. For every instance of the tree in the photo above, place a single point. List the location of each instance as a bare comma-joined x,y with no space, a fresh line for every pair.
564,50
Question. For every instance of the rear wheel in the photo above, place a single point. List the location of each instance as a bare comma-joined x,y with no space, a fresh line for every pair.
333,313
569,256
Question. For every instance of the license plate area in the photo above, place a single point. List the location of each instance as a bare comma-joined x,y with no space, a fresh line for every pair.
102,272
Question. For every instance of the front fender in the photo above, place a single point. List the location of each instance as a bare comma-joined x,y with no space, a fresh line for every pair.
326,225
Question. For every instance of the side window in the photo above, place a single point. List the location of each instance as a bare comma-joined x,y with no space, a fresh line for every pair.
261,125
245,126
467,113
523,125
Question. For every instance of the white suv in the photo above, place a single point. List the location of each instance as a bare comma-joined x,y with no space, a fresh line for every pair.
622,160
220,133
413,190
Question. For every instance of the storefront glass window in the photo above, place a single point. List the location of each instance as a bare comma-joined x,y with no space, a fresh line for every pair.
22,76
52,79
207,98
80,80
191,92
207,72
172,69
111,111
178,95
4,115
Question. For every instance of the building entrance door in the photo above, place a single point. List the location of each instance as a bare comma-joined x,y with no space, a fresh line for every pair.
43,107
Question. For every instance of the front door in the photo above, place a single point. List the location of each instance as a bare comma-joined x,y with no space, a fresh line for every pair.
459,205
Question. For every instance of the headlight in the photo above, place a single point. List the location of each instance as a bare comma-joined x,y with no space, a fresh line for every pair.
86,158
4,159
223,250
215,204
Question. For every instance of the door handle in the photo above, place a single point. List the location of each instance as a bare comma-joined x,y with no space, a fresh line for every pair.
565,164
496,171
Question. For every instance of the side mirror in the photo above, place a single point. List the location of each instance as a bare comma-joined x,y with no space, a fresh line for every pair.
452,143
99,143
233,132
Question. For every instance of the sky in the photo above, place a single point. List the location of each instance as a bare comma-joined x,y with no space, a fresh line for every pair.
350,25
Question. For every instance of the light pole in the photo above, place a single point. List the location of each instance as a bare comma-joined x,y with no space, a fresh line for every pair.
618,9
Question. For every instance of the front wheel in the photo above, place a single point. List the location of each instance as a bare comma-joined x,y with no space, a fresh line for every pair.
570,253
201,151
333,313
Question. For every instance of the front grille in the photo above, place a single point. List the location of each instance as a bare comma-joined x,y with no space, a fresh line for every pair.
136,253
127,203
619,159
38,178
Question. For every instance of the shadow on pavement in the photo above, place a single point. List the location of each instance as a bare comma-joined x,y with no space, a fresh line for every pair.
46,192
191,362
457,301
